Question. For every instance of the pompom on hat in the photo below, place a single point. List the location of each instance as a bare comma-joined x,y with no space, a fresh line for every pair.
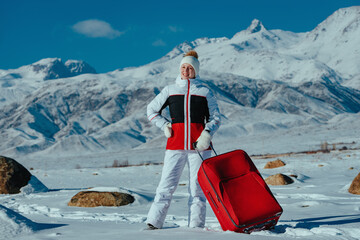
191,58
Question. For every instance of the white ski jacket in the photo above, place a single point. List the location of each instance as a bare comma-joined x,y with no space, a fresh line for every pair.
193,108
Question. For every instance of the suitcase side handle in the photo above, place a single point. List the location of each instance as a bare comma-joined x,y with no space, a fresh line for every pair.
211,146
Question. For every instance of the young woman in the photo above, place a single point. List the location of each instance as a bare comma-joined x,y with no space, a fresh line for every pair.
194,118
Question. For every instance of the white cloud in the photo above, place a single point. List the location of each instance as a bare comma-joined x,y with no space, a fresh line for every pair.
159,43
96,29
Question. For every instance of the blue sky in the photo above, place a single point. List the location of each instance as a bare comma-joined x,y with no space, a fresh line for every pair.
110,34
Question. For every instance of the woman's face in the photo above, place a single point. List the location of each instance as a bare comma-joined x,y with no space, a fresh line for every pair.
187,71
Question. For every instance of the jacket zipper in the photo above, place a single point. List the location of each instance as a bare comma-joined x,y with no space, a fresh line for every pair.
187,115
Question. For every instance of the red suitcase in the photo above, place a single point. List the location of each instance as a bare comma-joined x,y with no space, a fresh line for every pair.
238,195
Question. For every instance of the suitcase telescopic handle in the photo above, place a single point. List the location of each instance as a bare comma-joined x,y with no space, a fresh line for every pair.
211,146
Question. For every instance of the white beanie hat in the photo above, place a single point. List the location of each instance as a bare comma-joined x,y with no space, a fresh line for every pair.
193,62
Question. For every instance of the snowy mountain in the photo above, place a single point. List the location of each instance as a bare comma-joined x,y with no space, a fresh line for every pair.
265,81
17,83
335,42
48,69
329,51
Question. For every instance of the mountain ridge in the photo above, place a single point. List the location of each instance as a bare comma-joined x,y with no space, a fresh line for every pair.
49,69
277,78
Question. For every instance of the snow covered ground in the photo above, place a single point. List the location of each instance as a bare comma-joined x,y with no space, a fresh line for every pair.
316,206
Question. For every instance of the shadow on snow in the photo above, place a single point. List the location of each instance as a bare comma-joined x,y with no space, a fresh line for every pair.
21,220
310,223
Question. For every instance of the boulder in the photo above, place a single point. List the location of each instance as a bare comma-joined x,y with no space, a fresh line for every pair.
96,199
275,164
355,185
13,176
279,179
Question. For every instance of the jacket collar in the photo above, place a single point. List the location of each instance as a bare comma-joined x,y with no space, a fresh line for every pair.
183,82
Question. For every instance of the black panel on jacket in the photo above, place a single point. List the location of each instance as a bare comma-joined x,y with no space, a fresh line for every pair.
176,107
199,109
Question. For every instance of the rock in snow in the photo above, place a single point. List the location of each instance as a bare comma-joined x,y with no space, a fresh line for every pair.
13,176
279,179
275,164
96,199
355,185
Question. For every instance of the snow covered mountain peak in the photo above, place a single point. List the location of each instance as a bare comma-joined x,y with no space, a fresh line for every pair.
343,21
187,46
335,42
47,61
256,36
50,68
345,13
255,26
77,67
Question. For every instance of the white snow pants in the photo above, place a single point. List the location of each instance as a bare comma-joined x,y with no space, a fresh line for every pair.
174,163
